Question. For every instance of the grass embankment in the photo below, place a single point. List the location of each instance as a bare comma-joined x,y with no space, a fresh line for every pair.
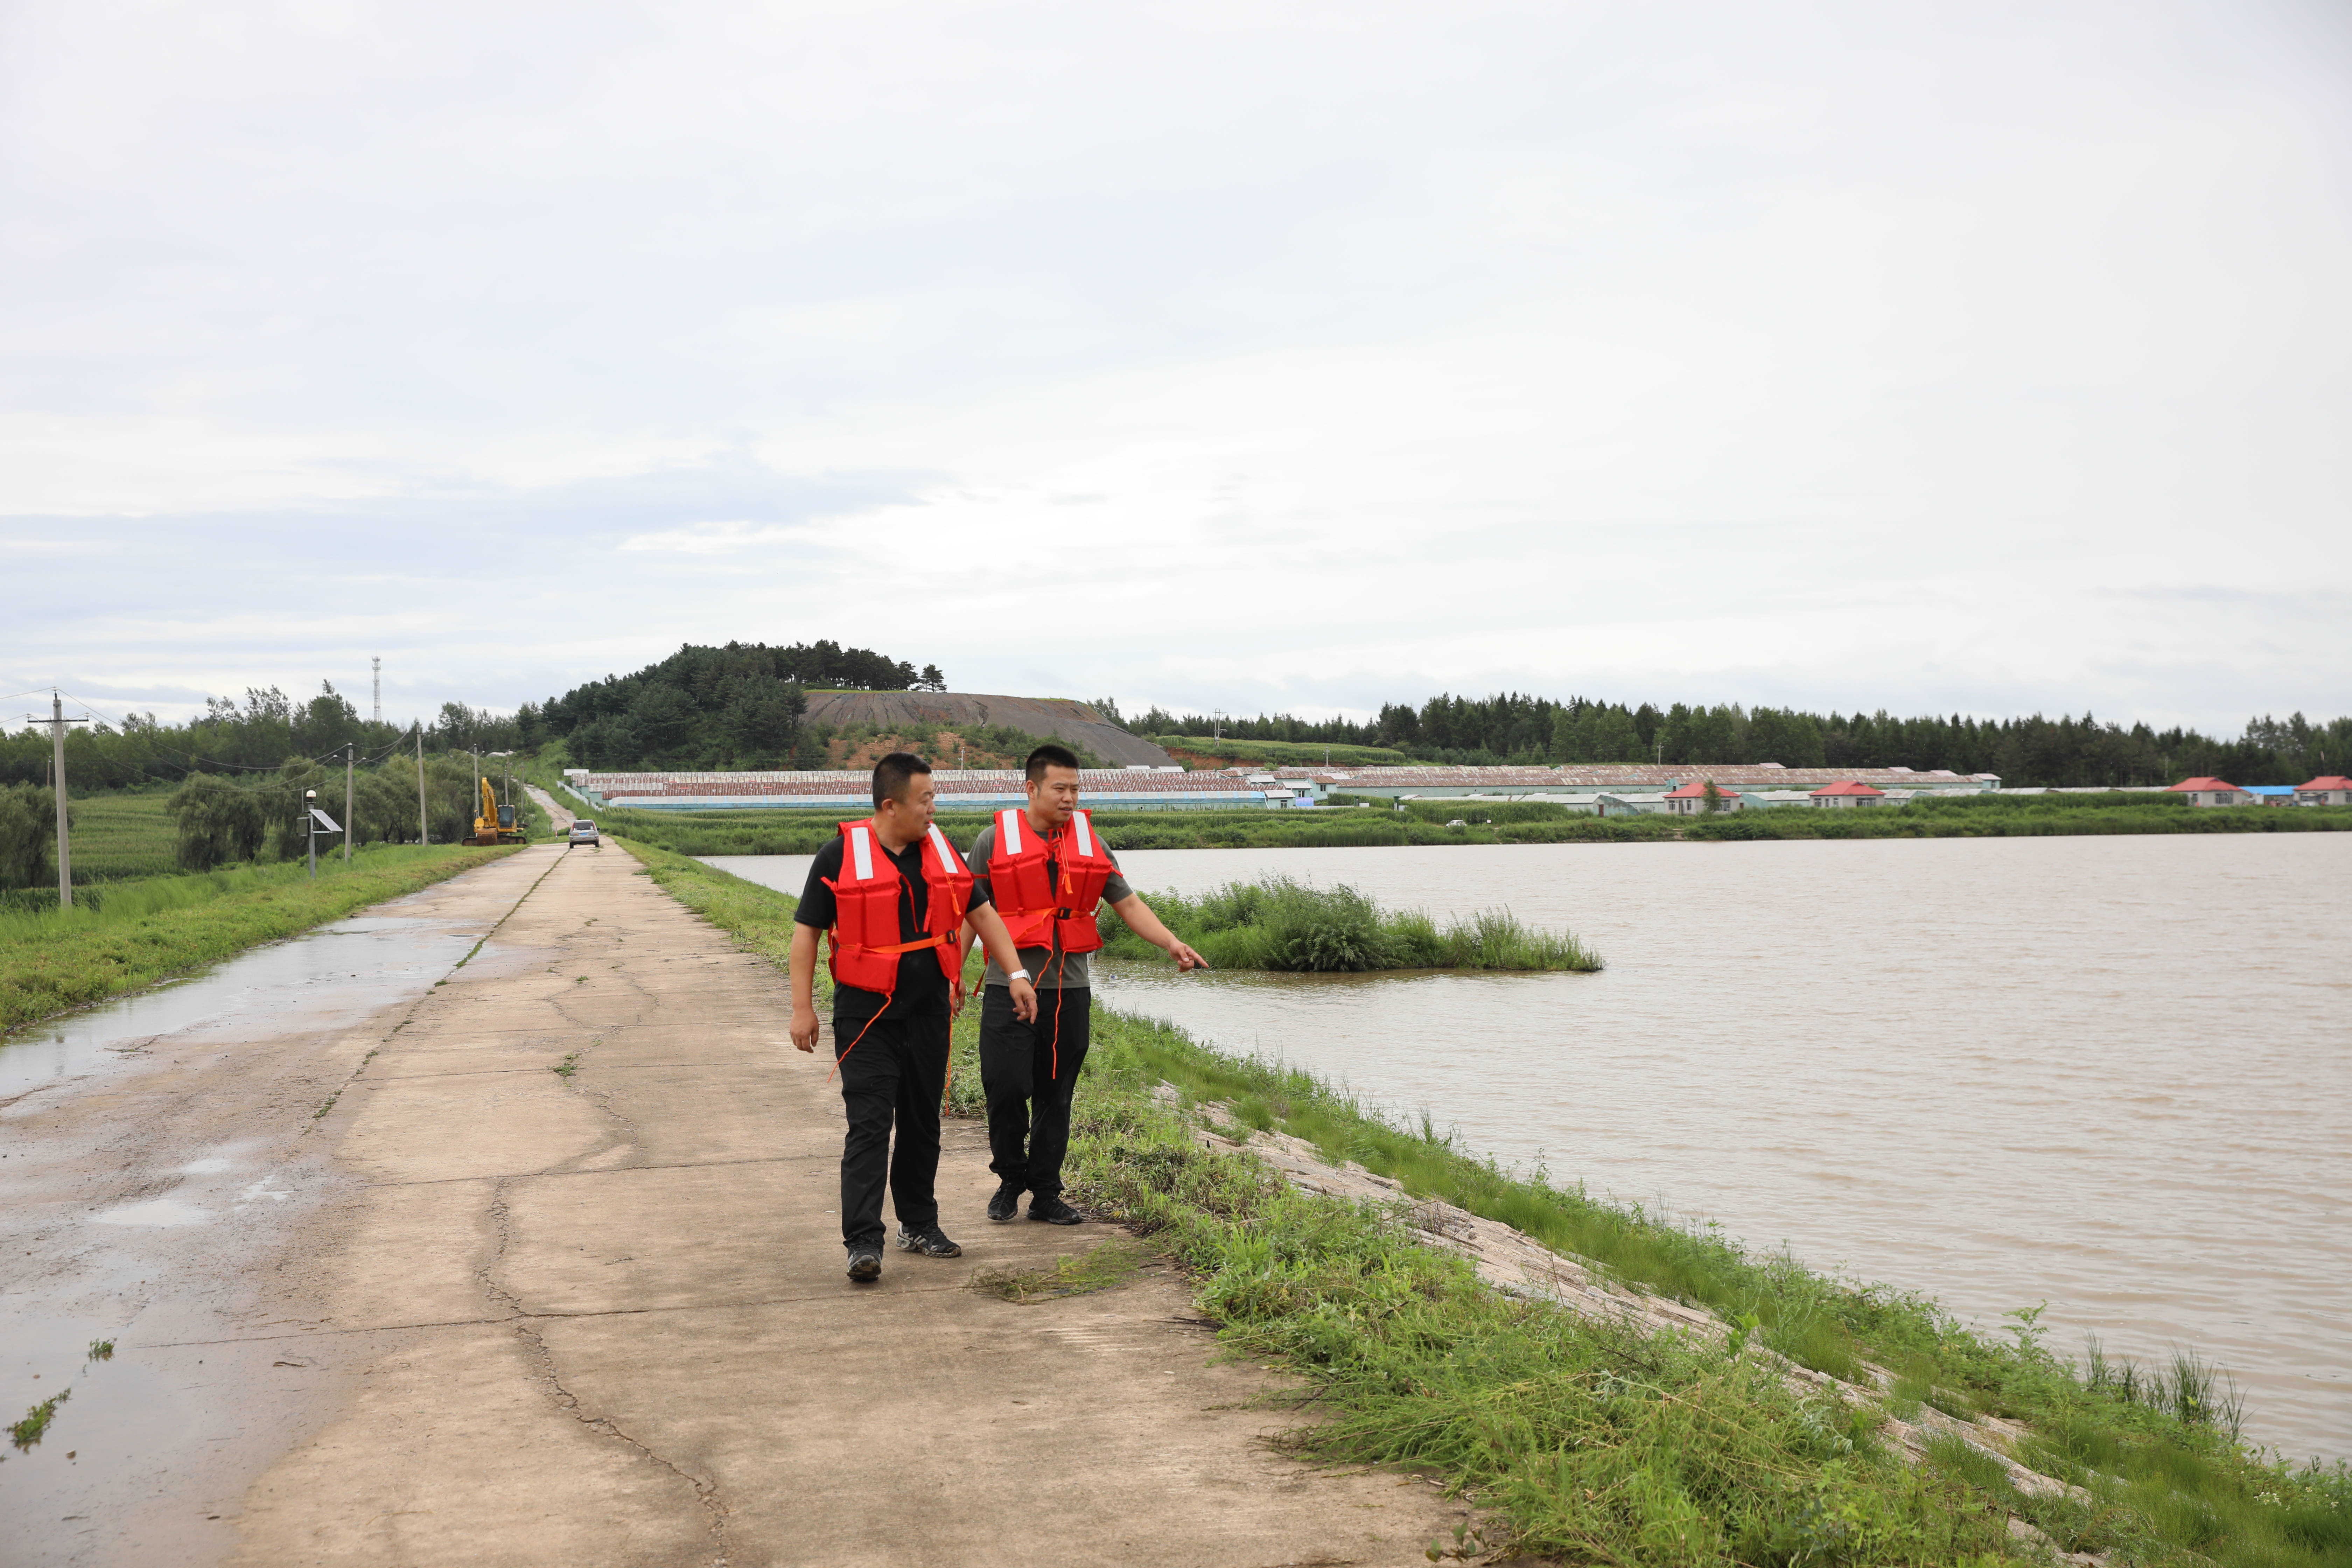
1591,1440
1277,923
141,933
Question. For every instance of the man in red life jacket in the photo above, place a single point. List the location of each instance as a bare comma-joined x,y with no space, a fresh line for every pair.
892,893
1042,869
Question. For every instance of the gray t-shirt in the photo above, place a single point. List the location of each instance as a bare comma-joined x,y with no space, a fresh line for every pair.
1049,968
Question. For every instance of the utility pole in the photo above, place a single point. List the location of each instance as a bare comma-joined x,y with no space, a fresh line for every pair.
475,805
423,835
58,722
349,751
378,662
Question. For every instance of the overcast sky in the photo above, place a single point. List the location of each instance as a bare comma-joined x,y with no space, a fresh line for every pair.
1963,356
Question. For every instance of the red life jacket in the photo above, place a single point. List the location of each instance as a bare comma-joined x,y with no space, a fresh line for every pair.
866,945
1045,886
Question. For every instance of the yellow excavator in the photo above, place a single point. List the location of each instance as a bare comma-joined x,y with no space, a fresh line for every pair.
496,824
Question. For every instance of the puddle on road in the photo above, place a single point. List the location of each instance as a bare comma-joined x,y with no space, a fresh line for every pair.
148,1456
333,975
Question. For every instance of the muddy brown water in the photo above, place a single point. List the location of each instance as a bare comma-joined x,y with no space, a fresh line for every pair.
2115,1074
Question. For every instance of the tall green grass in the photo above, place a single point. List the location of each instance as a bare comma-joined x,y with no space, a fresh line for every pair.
1279,924
108,904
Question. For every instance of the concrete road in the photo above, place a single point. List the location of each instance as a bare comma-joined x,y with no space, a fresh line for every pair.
541,1264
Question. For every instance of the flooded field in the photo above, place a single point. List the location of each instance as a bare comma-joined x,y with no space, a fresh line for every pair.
2112,1073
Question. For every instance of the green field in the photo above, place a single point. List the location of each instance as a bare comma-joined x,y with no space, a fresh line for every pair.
1593,1441
121,836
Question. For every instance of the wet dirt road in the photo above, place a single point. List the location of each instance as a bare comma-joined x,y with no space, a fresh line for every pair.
536,1260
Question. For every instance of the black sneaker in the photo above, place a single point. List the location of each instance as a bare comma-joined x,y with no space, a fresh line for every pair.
1006,1204
1050,1209
930,1241
864,1262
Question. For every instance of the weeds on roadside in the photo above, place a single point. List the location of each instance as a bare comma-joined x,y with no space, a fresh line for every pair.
1107,1263
24,1434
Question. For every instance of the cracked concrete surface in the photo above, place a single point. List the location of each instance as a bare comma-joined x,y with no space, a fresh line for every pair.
600,1317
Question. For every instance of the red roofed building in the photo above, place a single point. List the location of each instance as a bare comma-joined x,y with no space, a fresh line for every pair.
2212,792
1847,792
2333,790
1691,799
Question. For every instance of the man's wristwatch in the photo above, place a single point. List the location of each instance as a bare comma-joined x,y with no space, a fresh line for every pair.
1016,974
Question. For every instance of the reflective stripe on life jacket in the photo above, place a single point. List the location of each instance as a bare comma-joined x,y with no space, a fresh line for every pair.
1045,886
866,929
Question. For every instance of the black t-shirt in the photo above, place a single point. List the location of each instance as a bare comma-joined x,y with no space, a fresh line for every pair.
922,985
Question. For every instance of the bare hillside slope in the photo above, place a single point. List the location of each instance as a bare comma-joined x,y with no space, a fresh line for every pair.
1063,718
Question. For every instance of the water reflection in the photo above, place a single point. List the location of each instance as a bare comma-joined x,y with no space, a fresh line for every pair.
336,973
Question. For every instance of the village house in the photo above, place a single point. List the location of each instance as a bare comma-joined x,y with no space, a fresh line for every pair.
2334,789
2212,792
1691,799
1848,792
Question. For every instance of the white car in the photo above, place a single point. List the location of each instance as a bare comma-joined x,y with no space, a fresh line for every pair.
583,832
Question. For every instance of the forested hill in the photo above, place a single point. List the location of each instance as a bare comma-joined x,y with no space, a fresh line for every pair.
1510,728
739,706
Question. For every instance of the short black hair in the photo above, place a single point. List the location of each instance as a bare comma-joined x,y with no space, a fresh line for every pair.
1049,755
893,773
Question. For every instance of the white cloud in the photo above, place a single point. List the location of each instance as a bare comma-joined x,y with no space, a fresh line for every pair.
712,539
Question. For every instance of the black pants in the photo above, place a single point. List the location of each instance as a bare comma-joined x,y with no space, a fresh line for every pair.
1031,1065
894,1073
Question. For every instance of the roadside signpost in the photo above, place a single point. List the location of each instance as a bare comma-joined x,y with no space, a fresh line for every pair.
320,822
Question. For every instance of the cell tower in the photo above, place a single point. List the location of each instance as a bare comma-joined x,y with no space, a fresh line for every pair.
378,662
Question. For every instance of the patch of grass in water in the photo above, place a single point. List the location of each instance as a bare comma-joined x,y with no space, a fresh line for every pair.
1282,924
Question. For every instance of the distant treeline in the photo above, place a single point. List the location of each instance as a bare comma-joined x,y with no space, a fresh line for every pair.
260,736
2065,750
734,706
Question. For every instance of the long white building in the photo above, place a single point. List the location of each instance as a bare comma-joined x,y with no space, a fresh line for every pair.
1589,787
